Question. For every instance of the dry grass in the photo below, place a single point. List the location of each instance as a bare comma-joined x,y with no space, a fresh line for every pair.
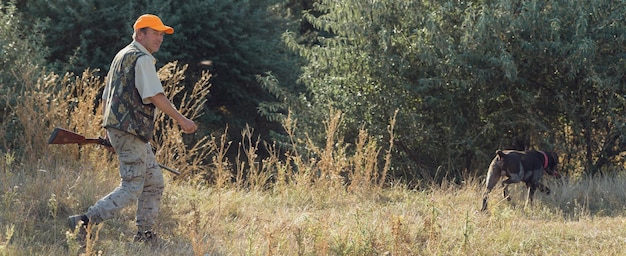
335,203
311,220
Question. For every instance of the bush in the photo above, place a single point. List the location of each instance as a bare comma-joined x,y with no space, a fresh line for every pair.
21,57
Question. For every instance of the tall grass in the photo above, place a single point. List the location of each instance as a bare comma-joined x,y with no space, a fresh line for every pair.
330,199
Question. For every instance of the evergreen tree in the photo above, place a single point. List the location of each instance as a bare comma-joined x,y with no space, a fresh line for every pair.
234,40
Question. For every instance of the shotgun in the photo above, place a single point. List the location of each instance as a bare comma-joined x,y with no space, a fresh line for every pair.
63,136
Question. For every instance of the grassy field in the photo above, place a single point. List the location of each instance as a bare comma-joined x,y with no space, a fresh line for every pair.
579,218
305,207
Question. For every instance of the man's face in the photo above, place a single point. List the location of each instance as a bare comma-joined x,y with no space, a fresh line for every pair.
150,38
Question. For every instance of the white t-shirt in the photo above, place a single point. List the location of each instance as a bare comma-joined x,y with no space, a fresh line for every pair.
146,78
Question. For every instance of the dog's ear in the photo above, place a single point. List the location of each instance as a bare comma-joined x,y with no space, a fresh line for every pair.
500,154
554,156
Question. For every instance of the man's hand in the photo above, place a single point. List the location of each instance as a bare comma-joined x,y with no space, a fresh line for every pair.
106,143
164,104
188,126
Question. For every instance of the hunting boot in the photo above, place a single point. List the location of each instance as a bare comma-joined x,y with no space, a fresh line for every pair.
145,237
80,221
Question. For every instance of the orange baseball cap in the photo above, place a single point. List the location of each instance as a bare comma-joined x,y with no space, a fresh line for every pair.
153,22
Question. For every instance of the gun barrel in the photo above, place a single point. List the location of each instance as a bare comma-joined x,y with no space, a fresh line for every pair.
169,169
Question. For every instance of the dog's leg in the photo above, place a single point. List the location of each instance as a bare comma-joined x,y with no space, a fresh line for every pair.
486,194
485,198
543,188
505,188
493,176
505,191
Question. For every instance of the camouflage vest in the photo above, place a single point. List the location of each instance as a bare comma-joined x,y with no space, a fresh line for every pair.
126,110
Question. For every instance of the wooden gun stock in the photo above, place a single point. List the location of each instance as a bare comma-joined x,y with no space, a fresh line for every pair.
63,136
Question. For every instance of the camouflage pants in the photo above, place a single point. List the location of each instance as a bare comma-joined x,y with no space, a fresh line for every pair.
141,181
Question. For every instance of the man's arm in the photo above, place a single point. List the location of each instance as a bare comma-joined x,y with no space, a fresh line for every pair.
164,104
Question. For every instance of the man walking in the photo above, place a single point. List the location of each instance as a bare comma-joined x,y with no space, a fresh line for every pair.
131,96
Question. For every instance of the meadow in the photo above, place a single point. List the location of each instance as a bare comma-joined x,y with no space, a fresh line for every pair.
297,206
580,218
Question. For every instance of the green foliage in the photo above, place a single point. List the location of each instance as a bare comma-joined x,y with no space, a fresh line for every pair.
471,77
90,31
19,50
467,78
21,60
377,57
562,62
234,40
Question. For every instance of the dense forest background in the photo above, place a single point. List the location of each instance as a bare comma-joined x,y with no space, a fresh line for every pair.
457,79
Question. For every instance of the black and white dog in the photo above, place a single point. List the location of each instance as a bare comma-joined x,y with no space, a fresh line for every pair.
520,166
